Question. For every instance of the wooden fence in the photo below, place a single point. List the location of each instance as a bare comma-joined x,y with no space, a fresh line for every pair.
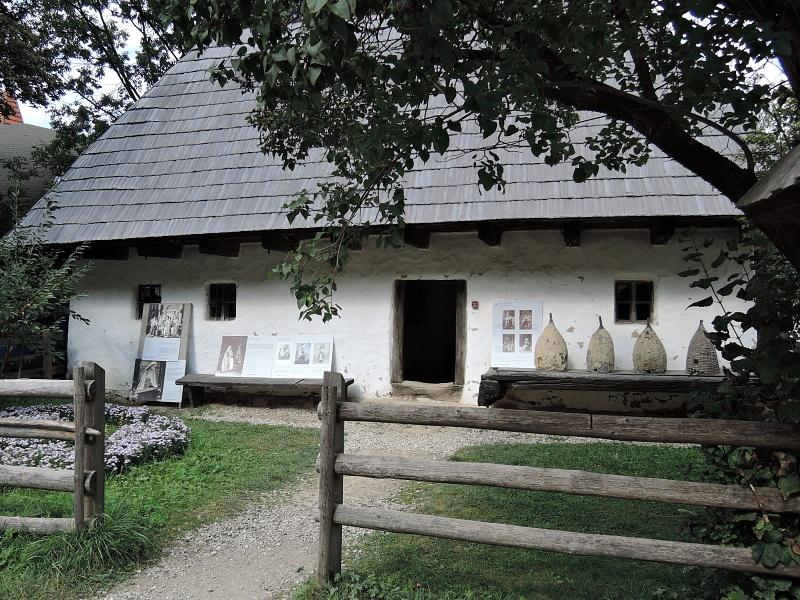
334,464
20,362
87,480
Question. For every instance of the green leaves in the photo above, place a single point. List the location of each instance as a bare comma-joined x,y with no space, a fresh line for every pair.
708,301
341,8
789,486
441,12
314,6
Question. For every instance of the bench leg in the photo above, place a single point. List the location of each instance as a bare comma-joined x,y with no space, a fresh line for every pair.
196,395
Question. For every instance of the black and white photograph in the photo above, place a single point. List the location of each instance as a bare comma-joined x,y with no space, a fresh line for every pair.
165,320
322,353
285,352
526,319
231,355
508,342
509,320
148,381
526,342
302,355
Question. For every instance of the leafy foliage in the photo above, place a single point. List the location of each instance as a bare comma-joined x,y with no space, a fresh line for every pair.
62,54
763,383
38,283
382,86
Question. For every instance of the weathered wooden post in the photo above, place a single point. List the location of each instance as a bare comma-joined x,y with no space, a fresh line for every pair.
47,355
331,491
94,504
79,407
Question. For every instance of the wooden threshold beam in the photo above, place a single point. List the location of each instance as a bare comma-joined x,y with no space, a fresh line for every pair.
490,234
219,247
417,237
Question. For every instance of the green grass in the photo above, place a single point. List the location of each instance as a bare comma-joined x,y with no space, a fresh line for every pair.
402,567
225,466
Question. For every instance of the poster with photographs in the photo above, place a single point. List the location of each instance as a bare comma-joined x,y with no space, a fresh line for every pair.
154,381
163,345
304,356
165,329
259,356
516,326
231,355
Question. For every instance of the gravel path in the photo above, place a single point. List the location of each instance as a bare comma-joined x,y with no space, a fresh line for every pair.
263,551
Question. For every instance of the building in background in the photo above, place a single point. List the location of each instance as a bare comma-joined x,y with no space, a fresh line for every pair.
179,204
17,142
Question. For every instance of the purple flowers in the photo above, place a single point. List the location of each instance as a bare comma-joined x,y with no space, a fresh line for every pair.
139,437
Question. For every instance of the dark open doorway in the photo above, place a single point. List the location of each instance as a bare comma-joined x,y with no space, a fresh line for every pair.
429,324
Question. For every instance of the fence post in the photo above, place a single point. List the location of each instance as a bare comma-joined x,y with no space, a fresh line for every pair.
95,449
330,484
79,407
47,355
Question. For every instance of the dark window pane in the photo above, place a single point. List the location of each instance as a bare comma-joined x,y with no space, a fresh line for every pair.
643,311
147,293
222,301
623,311
633,300
644,291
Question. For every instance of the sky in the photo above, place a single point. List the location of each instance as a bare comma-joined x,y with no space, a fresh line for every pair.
37,115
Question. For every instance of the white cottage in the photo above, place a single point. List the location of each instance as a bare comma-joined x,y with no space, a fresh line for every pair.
179,204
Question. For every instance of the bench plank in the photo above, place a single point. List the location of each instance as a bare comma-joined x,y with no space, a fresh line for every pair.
269,386
497,381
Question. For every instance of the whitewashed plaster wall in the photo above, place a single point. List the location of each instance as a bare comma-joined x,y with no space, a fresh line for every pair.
575,284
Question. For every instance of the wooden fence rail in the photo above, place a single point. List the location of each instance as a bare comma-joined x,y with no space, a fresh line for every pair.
87,479
333,464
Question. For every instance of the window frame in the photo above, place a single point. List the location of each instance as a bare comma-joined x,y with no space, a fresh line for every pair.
225,303
633,302
141,300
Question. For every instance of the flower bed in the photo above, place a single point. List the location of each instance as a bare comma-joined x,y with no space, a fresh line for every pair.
140,437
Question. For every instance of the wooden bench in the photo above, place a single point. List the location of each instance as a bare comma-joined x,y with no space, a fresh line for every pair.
261,386
496,383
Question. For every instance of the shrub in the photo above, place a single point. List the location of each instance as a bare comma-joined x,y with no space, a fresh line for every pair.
140,437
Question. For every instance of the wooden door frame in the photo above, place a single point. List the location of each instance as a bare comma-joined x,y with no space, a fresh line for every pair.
398,306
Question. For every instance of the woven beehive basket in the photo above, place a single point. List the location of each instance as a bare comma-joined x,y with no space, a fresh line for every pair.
600,353
701,357
649,355
551,349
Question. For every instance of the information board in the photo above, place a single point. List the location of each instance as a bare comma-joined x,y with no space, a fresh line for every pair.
516,325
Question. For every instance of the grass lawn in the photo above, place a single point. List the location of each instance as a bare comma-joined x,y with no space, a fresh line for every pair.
395,566
226,464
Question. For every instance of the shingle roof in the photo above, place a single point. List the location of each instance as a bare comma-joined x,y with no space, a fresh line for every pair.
183,161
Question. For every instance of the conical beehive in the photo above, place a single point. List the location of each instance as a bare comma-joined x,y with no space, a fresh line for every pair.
551,349
649,355
701,358
600,354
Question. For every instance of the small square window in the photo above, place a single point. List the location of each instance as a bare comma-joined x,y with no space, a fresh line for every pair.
222,301
149,293
633,301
